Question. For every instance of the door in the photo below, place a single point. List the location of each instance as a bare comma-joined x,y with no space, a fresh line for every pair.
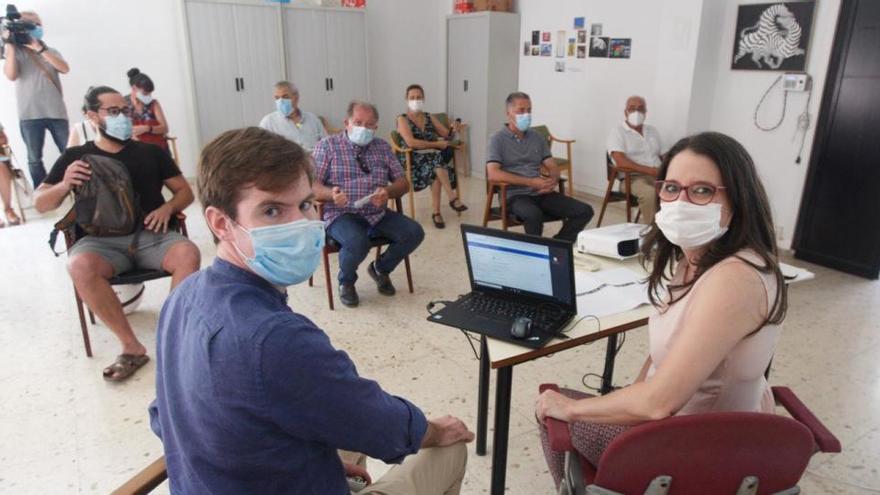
346,62
306,56
468,66
838,224
260,62
215,67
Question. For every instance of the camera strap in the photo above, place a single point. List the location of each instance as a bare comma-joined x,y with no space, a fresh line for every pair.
43,68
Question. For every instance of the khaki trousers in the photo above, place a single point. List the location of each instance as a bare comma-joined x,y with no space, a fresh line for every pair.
642,187
435,471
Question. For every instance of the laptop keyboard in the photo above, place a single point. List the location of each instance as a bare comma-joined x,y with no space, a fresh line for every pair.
544,317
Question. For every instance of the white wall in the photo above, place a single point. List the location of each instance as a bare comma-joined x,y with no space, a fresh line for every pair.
101,40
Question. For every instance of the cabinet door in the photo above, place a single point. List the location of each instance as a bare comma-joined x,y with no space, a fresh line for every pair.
212,48
260,63
468,66
346,61
306,56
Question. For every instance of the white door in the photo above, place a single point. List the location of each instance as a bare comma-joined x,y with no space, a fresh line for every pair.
346,36
467,64
306,56
215,68
260,62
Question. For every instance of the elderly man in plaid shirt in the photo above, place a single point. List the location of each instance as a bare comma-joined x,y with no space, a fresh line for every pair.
356,176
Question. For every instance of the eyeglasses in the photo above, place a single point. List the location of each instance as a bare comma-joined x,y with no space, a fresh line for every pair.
114,111
359,156
699,193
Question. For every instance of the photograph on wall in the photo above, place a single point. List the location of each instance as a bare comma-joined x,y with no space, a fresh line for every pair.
582,36
582,51
579,23
536,50
772,36
571,47
596,29
560,44
536,37
619,47
546,49
527,48
598,47
545,37
560,67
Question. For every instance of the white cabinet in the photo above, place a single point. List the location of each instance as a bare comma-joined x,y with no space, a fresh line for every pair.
482,69
240,49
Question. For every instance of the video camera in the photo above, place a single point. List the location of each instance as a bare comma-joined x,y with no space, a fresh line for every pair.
19,30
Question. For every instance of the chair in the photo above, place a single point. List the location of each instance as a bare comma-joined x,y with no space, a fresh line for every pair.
20,185
331,246
135,276
564,164
464,162
146,480
172,148
508,219
723,452
327,127
404,153
612,196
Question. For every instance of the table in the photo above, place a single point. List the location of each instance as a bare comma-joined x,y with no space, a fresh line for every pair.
503,356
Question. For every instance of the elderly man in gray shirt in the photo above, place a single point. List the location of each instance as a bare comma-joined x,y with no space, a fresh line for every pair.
34,67
521,158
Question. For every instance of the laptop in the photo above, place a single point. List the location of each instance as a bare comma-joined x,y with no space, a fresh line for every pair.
514,275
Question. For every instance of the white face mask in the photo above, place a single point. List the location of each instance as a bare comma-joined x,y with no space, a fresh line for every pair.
415,105
688,225
635,119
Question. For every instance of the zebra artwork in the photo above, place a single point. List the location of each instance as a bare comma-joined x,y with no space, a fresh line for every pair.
772,36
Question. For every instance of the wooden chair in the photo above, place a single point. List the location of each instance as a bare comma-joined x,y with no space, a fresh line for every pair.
172,148
146,480
327,127
404,153
20,185
331,246
612,196
564,164
135,276
508,219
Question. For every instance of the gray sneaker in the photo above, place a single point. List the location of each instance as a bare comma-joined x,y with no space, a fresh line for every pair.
348,295
383,282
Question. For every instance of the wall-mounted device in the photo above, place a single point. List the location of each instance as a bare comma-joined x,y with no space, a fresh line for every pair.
796,81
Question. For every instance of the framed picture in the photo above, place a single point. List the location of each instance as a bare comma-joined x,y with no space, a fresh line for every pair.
546,49
772,36
599,47
545,37
536,50
536,37
596,29
619,47
527,48
582,36
571,47
582,51
579,23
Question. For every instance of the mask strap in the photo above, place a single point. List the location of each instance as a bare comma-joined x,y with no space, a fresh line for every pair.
235,243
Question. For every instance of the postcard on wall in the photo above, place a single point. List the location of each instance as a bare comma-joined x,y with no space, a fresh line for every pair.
546,49
527,48
560,44
536,50
582,36
545,37
582,51
596,29
619,47
571,47
599,47
536,37
579,23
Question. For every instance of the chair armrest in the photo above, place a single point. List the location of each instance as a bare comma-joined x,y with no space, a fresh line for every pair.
398,149
558,431
826,440
502,187
146,480
564,141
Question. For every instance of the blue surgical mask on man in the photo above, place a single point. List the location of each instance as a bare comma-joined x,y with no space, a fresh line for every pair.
37,33
360,136
118,127
523,121
285,254
284,106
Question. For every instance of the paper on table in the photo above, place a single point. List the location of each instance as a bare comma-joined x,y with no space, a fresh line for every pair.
608,292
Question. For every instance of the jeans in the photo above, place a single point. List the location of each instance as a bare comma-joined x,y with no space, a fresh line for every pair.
353,233
530,210
33,131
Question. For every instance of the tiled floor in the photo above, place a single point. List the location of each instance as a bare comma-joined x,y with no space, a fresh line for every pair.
65,430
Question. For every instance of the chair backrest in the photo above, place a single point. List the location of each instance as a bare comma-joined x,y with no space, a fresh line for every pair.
543,130
442,118
708,453
397,139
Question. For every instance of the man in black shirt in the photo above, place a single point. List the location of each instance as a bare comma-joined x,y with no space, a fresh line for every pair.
92,261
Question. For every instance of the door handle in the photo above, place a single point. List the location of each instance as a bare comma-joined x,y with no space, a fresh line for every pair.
237,87
331,84
242,83
326,84
465,85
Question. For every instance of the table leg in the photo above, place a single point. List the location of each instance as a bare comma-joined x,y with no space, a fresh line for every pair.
502,427
610,355
483,397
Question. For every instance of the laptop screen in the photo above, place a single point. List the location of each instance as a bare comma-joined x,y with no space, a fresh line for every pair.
520,264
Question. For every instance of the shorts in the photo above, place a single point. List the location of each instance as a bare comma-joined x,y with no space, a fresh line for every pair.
150,251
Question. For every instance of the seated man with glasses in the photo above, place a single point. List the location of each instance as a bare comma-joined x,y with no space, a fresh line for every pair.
92,261
356,175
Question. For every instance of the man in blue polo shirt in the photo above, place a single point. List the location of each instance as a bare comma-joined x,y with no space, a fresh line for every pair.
251,397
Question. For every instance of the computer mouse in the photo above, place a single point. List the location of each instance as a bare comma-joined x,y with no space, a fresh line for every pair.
522,328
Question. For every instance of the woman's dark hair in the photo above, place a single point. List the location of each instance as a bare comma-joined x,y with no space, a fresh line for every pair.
412,87
751,225
91,101
140,80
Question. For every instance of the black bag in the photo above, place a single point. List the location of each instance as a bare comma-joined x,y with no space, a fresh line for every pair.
105,205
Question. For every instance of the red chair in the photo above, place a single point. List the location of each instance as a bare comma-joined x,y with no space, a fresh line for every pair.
723,453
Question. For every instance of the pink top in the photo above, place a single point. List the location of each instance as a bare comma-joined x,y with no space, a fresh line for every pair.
738,383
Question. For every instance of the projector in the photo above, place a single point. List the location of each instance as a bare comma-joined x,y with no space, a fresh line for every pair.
619,241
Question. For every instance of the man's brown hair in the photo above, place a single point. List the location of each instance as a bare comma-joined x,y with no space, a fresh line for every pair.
249,157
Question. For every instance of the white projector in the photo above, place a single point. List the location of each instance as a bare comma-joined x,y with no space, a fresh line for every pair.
619,241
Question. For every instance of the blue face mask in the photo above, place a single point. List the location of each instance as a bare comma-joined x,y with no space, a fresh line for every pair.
37,33
285,254
523,121
145,99
360,136
284,105
118,127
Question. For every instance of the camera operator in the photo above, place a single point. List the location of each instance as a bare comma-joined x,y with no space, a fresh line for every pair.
34,67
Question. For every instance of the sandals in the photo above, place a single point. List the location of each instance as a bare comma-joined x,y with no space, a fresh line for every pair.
12,218
440,224
124,366
461,206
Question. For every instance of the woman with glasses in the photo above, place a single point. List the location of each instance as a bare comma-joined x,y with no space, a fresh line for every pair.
719,297
147,117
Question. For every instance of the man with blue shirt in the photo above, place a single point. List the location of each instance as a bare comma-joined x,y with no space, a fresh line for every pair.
301,127
251,397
